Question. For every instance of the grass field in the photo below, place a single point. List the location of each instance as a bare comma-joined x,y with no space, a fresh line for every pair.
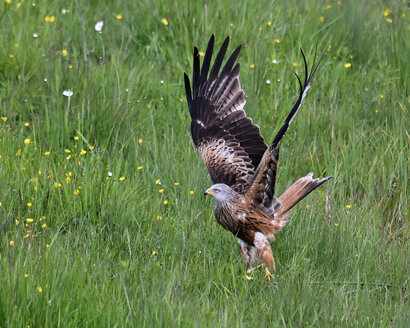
102,214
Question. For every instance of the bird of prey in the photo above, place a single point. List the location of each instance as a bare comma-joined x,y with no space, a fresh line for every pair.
240,164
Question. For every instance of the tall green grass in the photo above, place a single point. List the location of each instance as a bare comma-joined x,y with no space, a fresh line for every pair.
106,251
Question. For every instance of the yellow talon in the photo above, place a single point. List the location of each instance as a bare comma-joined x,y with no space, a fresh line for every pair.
268,275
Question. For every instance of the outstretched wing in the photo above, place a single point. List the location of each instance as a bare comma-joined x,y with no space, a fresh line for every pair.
263,186
229,143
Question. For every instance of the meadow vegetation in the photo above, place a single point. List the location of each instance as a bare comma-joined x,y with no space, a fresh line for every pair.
102,215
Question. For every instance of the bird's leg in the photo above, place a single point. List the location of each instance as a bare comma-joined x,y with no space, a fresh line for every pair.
252,268
268,275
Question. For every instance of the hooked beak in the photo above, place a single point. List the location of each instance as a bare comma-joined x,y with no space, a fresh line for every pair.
208,192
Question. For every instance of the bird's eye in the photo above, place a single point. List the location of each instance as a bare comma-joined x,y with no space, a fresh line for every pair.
216,190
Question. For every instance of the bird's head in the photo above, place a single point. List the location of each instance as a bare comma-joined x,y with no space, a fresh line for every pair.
221,192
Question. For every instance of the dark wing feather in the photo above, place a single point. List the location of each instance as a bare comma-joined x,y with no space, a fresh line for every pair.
263,187
225,159
216,104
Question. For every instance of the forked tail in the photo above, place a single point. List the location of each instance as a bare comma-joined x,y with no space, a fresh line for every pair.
296,192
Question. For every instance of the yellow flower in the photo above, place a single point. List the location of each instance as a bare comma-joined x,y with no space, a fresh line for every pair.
29,204
1,204
70,66
29,220
76,138
381,96
176,183
336,224
165,202
231,25
52,19
277,41
248,277
165,21
307,206
119,16
83,152
11,242
347,65
154,253
161,191
140,141
328,7
348,206
18,5
64,52
158,181
47,19
260,29
191,192
11,56
68,179
269,23
17,222
201,53
44,225
389,20
47,153
76,192
47,245
27,124
7,1
386,12
4,119
26,275
252,66
40,290
321,19
26,236
329,47
91,147
27,141
68,157
67,151
295,64
122,178
159,218
140,167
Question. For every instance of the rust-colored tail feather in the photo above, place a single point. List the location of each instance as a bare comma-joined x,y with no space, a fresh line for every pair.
296,192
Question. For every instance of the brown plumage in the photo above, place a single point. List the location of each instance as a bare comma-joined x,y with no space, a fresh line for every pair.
240,164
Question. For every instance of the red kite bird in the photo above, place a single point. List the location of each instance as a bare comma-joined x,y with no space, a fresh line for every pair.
242,167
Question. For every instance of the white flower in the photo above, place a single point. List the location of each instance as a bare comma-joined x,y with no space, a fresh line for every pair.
64,11
98,27
35,35
68,93
110,174
267,81
274,61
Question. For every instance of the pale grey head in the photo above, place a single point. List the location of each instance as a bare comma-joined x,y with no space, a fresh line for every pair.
221,192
